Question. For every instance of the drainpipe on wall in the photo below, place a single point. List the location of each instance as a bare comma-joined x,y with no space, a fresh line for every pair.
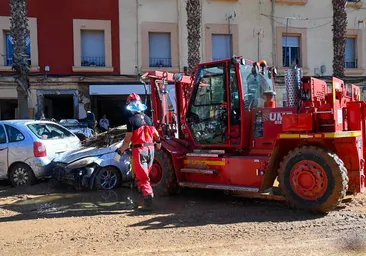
274,55
180,53
137,40
203,35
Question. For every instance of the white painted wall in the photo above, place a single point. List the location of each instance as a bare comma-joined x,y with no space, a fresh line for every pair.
249,18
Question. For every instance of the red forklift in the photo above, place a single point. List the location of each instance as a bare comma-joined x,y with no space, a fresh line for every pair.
221,129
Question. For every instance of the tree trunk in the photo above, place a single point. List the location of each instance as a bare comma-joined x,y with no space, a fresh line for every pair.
194,12
339,37
22,104
19,32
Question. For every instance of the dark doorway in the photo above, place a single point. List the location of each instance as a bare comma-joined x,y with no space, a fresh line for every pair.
114,107
8,108
58,106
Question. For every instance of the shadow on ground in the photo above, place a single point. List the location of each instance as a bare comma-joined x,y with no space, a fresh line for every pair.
192,207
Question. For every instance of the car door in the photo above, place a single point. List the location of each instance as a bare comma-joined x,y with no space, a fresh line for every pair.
19,148
3,153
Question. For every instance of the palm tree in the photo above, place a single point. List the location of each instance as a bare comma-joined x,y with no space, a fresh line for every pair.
19,32
339,36
194,12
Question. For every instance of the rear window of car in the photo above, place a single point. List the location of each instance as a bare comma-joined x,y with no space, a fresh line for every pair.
49,131
14,134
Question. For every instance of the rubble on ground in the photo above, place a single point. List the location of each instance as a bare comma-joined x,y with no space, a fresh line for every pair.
107,138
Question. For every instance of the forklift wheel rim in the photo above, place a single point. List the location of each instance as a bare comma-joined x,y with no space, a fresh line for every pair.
308,180
156,173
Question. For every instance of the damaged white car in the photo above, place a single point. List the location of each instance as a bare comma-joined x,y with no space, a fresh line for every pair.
92,168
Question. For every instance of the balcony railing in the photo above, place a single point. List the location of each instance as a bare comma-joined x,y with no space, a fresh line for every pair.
350,64
160,62
89,61
217,59
8,60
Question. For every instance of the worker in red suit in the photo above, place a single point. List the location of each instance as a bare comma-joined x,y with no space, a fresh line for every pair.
141,134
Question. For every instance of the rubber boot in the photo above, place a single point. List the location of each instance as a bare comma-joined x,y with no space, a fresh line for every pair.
147,205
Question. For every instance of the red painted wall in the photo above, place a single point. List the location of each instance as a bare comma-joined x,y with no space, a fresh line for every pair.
55,29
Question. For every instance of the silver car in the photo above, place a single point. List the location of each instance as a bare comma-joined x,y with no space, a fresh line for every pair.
93,168
27,147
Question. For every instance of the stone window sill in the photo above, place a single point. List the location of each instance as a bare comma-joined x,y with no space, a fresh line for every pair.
8,68
354,5
354,71
92,69
170,69
292,2
282,70
223,0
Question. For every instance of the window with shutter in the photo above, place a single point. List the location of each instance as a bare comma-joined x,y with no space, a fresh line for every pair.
92,48
290,50
159,49
221,47
9,49
350,58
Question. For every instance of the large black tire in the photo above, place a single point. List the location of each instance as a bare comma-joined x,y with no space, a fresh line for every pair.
313,179
107,178
21,175
166,184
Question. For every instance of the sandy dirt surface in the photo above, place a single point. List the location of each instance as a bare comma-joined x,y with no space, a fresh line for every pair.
41,221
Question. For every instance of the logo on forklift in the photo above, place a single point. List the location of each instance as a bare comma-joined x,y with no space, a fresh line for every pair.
275,117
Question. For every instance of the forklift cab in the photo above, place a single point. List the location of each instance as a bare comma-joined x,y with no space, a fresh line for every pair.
224,93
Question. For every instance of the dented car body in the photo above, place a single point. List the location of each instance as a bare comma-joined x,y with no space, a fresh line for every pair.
93,168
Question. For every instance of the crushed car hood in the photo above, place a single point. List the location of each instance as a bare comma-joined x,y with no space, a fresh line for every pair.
83,152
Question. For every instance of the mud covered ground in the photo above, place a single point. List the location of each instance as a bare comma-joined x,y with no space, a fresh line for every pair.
41,221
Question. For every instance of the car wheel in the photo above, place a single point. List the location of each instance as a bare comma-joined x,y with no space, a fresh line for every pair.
107,178
21,174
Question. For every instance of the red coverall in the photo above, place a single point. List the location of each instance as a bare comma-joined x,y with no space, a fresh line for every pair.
143,155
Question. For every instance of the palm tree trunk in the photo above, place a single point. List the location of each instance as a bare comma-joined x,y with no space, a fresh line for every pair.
339,37
19,32
194,12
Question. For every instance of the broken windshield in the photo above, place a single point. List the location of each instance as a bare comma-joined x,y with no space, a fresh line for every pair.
49,131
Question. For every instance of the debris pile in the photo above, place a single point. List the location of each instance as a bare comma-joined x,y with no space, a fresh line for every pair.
107,138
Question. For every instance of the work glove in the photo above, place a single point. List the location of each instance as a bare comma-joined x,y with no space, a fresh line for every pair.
119,152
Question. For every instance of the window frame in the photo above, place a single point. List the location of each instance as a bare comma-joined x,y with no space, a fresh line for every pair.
33,34
162,27
211,29
30,126
86,24
230,37
6,34
7,133
302,33
81,42
289,50
358,35
355,57
170,49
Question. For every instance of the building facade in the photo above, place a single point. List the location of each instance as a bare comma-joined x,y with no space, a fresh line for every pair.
89,54
154,34
72,45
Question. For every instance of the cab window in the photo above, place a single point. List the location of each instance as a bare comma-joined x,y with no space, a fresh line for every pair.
14,134
207,115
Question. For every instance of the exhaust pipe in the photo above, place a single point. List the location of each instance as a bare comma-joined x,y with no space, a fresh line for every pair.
292,82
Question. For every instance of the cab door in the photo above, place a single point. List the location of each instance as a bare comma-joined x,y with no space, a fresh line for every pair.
207,115
3,153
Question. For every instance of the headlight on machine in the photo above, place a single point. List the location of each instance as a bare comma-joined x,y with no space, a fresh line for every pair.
83,162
